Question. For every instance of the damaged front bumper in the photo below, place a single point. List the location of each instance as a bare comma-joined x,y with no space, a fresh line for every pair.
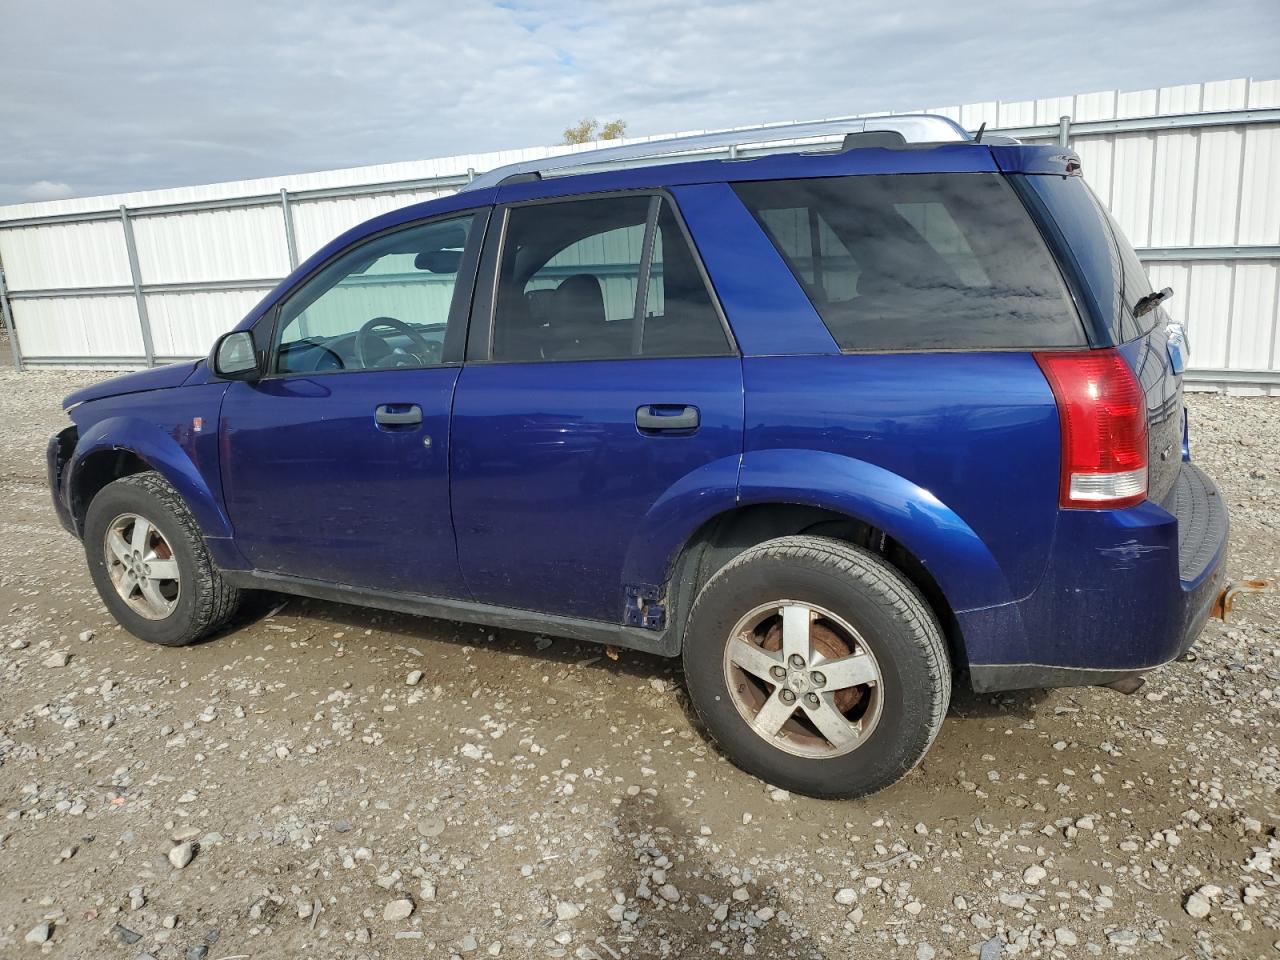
57,454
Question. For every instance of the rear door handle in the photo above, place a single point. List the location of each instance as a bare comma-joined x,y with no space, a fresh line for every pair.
666,417
398,414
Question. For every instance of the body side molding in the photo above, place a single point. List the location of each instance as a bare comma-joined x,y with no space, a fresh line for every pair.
663,643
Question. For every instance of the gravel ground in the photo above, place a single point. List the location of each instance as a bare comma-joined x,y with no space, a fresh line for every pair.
329,781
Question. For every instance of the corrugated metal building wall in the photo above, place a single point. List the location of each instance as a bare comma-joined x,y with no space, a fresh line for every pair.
1189,171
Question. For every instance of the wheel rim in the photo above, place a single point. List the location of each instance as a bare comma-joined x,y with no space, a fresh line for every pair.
803,679
141,566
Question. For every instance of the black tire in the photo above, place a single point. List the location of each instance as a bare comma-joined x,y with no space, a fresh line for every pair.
205,601
895,624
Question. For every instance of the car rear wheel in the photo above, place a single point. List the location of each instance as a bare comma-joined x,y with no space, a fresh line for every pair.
817,667
149,563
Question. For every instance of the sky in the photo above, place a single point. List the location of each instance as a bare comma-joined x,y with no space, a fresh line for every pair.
105,97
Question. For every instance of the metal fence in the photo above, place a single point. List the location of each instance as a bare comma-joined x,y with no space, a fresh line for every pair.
144,278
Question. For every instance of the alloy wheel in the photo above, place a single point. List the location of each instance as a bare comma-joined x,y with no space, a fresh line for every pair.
141,566
803,679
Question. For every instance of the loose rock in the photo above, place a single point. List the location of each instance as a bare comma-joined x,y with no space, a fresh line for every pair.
397,910
182,854
1197,906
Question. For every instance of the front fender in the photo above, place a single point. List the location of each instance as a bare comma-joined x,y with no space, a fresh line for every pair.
163,453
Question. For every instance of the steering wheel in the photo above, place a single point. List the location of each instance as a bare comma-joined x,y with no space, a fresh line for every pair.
425,352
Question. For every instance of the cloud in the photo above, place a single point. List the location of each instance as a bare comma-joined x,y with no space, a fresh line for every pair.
45,190
143,94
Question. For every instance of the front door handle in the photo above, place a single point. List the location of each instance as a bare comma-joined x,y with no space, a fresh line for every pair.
398,414
666,417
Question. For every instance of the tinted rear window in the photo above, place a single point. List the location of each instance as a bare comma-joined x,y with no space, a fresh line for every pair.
918,261
1108,264
571,277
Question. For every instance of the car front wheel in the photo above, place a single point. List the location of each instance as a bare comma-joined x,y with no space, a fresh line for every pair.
149,563
817,667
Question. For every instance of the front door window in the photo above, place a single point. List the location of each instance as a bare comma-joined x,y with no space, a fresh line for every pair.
382,305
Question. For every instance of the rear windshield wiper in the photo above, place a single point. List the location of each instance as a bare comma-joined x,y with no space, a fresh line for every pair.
1151,301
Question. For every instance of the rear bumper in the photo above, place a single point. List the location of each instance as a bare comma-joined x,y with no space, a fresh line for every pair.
58,452
1125,592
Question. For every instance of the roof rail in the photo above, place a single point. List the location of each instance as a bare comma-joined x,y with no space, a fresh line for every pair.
732,144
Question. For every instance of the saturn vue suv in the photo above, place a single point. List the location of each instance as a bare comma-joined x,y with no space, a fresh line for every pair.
839,427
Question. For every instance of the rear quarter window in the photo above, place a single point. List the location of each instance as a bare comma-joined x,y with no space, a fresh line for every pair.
1108,265
918,261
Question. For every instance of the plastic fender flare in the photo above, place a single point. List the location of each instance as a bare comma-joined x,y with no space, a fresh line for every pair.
955,556
163,454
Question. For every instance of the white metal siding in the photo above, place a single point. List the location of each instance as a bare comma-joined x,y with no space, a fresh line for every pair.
78,327
1208,312
1175,191
1217,192
1253,311
245,244
1260,187
64,255
186,324
316,222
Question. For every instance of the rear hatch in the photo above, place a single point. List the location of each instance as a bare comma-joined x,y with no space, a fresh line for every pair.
1149,357
1111,281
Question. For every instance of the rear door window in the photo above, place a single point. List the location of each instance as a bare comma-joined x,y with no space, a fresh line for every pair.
918,261
575,282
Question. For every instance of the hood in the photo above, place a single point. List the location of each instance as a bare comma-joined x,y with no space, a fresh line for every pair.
157,378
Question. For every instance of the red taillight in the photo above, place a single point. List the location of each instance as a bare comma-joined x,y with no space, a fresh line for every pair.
1104,428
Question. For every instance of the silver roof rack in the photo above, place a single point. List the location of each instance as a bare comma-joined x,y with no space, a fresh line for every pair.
731,144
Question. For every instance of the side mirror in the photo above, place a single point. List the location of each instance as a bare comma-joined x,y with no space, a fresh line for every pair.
234,356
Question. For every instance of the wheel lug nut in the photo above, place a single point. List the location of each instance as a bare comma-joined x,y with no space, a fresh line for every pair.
788,696
797,661
778,673
811,699
817,678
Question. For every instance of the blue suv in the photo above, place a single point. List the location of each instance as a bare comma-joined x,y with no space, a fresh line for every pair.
831,424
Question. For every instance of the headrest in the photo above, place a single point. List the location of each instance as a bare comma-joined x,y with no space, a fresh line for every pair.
579,302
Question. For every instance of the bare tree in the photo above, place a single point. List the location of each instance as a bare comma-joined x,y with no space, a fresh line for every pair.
588,129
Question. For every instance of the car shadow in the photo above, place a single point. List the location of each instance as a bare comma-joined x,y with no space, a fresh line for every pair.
648,828
255,606
562,650
261,605
967,704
